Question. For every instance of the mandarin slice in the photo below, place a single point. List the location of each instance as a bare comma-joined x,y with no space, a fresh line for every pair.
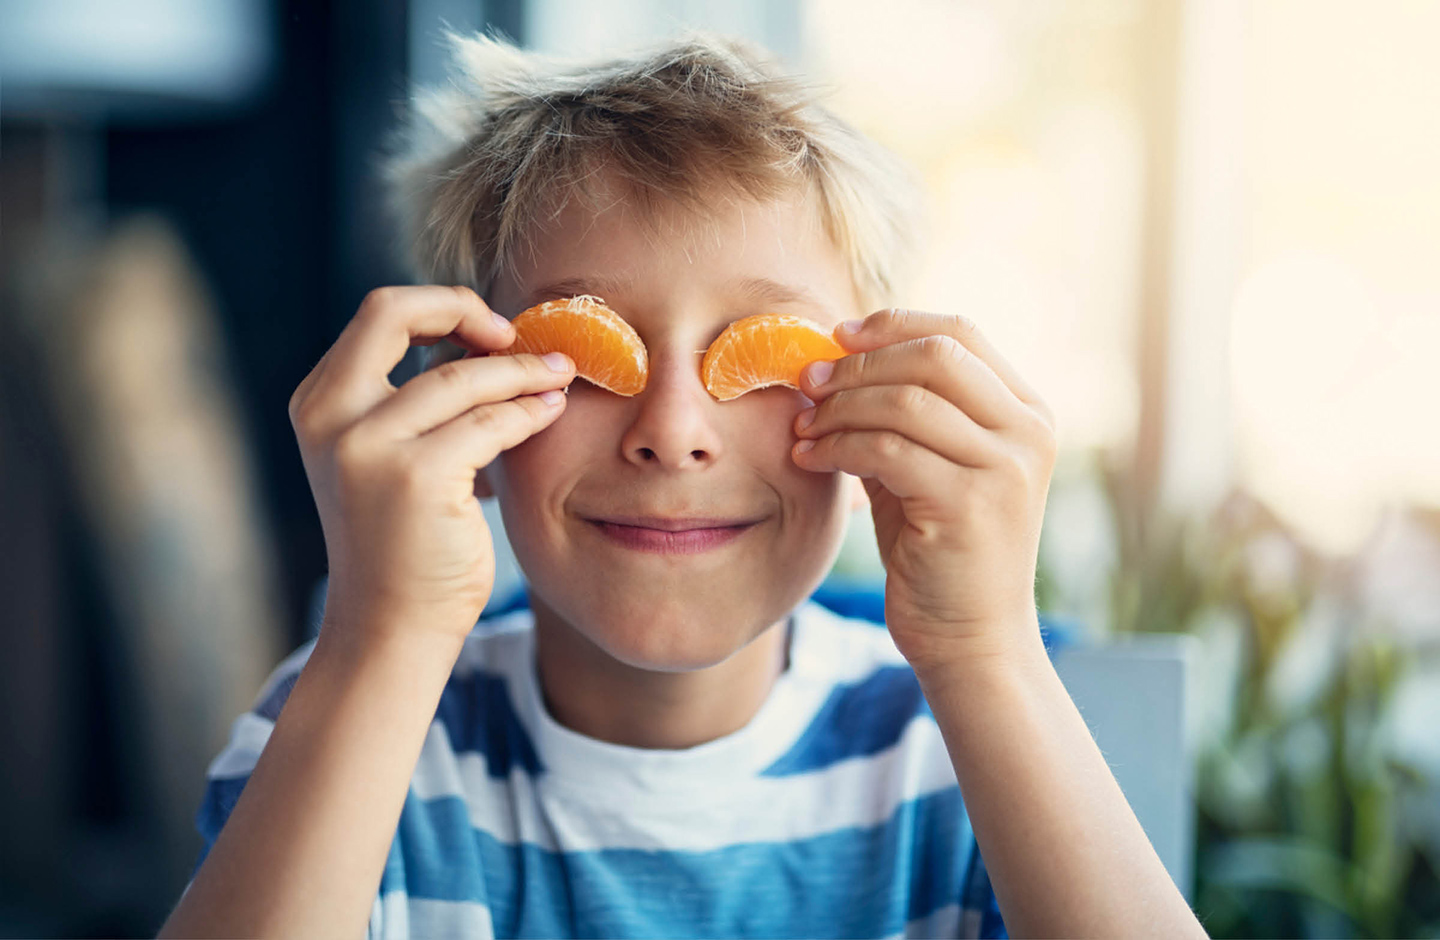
607,351
763,350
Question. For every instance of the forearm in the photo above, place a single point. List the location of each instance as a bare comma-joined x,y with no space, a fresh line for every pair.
303,851
1064,851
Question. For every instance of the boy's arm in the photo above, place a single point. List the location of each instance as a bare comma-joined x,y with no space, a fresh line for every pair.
956,451
411,566
303,850
1064,851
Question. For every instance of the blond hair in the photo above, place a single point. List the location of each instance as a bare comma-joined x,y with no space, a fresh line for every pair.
516,134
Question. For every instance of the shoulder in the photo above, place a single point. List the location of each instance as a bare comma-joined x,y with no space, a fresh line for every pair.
847,646
499,644
495,648
872,702
475,711
856,657
480,708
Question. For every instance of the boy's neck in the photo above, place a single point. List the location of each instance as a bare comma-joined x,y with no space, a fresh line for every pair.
590,692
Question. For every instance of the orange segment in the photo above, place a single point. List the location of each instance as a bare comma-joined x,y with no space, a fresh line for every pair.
767,349
606,349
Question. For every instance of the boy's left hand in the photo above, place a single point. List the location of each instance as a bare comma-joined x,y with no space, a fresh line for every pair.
956,451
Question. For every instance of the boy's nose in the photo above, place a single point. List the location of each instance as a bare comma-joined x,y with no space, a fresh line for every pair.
673,427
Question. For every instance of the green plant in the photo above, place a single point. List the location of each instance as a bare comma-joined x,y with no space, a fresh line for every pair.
1308,815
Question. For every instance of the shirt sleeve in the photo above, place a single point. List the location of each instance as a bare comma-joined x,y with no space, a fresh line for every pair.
230,770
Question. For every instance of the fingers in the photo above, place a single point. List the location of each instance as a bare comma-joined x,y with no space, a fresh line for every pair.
896,325
915,413
936,362
353,376
902,466
453,388
476,437
302,391
921,401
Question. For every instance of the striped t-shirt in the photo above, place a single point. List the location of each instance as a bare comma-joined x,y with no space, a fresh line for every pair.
833,813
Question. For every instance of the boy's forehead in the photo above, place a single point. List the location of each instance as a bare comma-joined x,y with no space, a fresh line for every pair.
612,244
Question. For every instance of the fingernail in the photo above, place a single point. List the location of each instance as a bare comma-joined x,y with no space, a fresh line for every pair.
802,446
852,326
821,371
557,362
805,418
552,397
500,321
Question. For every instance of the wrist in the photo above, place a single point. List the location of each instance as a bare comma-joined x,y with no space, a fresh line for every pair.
976,654
359,645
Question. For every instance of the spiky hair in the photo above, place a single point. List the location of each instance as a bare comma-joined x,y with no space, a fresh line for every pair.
514,135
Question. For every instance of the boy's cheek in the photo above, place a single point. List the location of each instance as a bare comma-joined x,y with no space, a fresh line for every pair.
768,415
859,499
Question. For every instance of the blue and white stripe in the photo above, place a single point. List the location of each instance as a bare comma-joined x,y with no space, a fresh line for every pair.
834,812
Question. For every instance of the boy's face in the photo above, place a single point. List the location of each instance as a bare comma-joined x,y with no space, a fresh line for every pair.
587,502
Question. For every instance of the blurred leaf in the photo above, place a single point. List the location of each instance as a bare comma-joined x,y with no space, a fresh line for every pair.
1281,864
1310,821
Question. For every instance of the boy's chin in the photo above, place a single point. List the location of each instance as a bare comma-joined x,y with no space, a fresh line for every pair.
670,648
666,640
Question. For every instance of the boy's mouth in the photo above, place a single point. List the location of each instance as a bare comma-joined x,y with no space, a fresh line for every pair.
669,535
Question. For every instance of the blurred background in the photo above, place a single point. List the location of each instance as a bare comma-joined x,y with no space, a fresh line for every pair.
1207,230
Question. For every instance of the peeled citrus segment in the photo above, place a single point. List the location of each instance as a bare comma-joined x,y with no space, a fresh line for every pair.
607,351
767,349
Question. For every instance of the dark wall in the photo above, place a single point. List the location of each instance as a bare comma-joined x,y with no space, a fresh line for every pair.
279,206
277,203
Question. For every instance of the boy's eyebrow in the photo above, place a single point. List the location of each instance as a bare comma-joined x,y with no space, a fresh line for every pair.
762,289
595,285
765,290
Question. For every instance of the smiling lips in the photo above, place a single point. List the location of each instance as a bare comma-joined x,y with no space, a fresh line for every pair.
671,536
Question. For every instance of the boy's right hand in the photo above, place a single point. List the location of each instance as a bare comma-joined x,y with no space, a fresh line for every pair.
393,470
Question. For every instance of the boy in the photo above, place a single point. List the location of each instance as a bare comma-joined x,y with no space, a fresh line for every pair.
671,741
